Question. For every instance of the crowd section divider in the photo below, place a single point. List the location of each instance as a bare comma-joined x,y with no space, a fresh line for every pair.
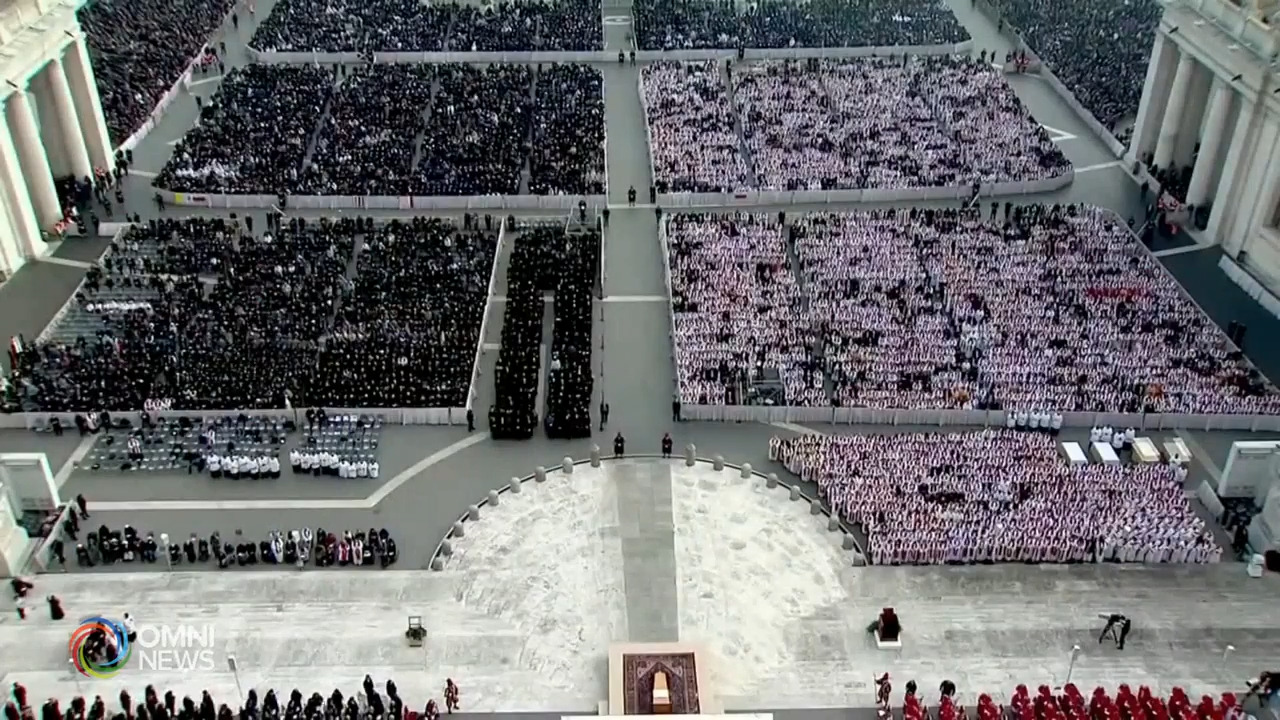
568,56
393,416
474,392
386,202
971,418
664,242
1015,37
747,199
1250,285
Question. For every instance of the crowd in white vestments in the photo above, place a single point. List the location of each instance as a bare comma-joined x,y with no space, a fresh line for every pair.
997,496
1037,309
702,24
693,141
860,123
734,299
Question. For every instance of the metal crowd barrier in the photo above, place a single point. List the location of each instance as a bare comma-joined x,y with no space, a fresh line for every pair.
393,416
387,202
567,56
750,198
972,418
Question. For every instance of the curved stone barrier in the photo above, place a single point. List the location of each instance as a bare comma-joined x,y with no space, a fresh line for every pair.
445,548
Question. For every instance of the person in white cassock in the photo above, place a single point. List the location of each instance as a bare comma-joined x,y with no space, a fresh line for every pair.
374,469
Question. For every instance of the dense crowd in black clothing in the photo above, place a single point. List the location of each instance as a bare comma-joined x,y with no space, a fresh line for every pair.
568,132
101,648
514,413
1097,48
367,140
570,381
478,135
139,49
256,328
399,130
703,24
406,333
412,26
254,134
106,547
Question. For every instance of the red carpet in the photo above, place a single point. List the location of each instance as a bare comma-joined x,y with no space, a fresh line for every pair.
637,682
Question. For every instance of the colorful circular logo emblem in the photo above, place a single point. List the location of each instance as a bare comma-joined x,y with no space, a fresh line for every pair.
82,647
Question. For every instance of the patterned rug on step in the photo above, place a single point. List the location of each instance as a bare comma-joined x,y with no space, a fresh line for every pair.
637,682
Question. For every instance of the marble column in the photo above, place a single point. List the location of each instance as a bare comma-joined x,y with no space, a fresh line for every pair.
22,216
1227,203
35,166
1173,111
1210,142
93,125
1149,107
68,120
10,243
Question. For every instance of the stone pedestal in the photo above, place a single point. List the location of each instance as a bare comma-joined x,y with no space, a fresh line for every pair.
690,455
795,493
473,512
460,528
815,507
515,485
718,462
540,474
567,465
494,497
446,548
847,543
746,470
771,481
833,522
595,456
437,564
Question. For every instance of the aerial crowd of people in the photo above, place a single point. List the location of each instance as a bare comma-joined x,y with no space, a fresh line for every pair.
866,123
1114,35
725,24
345,26
208,314
139,49
998,496
899,311
398,130
546,258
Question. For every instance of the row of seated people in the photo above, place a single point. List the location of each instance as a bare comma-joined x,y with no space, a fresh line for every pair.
929,498
102,648
905,310
570,380
514,413
857,123
724,24
405,26
1069,703
403,333
398,130
106,547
